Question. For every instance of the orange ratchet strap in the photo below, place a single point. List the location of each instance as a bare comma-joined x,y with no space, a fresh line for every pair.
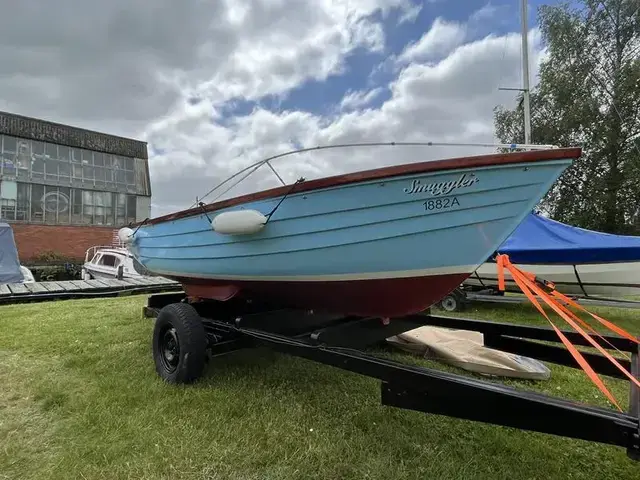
530,285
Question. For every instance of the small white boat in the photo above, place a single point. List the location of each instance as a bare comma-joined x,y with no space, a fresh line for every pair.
27,275
578,261
110,262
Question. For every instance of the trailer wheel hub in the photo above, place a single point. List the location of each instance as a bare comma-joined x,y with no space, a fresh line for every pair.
170,349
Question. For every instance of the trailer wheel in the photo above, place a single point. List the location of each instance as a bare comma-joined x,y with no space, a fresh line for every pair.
454,302
179,344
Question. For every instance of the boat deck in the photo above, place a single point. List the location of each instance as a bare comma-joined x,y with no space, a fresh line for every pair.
68,289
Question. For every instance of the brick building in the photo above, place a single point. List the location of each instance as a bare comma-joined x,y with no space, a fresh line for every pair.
64,189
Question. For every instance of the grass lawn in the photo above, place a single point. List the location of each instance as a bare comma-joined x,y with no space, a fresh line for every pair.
79,398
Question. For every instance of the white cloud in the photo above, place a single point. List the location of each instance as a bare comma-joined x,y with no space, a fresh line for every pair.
439,41
130,69
410,14
359,99
484,13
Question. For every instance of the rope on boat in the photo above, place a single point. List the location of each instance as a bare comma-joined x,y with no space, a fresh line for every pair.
530,284
255,166
270,214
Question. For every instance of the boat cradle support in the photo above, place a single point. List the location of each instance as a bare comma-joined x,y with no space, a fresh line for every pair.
335,340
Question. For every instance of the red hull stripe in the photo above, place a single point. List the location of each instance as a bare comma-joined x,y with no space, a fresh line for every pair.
379,297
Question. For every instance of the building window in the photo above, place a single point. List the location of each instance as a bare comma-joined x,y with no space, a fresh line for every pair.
131,208
7,156
76,206
121,209
37,197
23,204
36,203
23,160
9,144
7,209
39,168
140,176
31,160
56,204
55,152
99,170
88,173
57,184
8,200
8,190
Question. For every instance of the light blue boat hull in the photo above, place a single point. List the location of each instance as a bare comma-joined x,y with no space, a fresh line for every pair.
377,237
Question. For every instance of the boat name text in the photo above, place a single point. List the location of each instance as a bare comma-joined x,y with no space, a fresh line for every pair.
442,188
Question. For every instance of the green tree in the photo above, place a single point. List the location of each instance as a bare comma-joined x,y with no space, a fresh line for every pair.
588,95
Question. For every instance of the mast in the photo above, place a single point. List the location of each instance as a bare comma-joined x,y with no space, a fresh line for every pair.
525,74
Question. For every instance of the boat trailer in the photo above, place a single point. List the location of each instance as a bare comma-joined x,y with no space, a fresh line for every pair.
188,333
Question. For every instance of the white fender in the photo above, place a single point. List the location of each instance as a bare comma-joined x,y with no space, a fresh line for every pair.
239,222
125,235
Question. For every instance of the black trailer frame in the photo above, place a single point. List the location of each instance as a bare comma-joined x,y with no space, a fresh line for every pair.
188,333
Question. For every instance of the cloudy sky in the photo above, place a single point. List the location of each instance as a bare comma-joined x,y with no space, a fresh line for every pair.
215,85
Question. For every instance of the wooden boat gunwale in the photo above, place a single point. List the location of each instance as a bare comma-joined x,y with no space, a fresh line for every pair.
476,161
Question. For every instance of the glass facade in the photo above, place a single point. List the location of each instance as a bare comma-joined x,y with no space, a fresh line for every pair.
55,184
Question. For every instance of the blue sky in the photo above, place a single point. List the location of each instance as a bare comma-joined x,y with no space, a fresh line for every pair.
497,17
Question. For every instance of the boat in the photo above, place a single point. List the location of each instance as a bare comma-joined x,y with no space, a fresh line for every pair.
578,261
383,242
27,275
111,262
11,271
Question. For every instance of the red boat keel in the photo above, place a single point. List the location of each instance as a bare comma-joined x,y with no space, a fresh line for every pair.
389,297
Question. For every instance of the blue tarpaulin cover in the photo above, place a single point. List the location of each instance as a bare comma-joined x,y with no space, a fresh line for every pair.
9,263
541,240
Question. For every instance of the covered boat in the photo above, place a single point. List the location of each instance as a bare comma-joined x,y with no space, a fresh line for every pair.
384,242
576,260
10,269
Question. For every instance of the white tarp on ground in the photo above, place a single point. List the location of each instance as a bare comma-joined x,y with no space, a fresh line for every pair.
465,349
9,263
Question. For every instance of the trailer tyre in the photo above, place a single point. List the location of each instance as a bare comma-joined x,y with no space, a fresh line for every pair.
454,302
179,344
